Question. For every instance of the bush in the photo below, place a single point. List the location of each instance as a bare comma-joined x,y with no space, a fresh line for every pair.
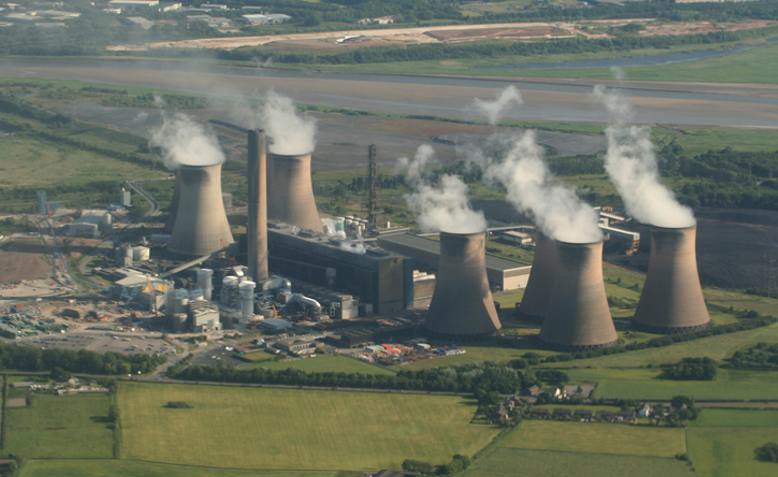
178,405
702,369
768,452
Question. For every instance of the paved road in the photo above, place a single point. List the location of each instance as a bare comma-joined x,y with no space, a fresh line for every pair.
567,100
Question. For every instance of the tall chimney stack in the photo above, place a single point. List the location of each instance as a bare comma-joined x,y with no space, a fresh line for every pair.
672,299
462,303
290,191
201,226
534,303
578,315
257,213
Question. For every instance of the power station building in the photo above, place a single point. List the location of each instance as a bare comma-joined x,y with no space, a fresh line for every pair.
534,303
462,304
503,274
201,226
377,276
578,316
290,191
672,299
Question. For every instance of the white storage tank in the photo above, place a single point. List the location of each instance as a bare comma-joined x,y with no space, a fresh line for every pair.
247,299
205,282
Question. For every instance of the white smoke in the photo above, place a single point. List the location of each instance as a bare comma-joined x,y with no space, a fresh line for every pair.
556,209
291,133
185,142
632,166
493,110
443,206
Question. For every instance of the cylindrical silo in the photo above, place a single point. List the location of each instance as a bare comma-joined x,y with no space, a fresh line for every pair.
462,303
257,206
205,282
290,191
534,303
201,226
246,290
578,315
672,299
229,293
173,210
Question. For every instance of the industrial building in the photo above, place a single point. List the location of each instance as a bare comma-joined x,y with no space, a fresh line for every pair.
201,226
462,304
376,276
578,316
503,274
672,299
290,191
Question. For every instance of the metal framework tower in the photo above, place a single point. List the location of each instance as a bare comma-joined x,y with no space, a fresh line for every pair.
372,185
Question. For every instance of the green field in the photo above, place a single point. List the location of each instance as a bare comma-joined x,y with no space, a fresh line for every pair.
597,438
506,462
643,383
292,429
758,65
474,354
324,364
60,427
722,442
123,468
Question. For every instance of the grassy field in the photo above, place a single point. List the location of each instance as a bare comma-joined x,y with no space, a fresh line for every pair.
597,438
715,347
124,468
60,427
507,462
758,65
323,364
643,384
291,429
475,354
722,442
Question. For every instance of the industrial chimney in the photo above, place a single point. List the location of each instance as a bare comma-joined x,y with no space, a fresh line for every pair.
534,303
171,216
290,191
257,213
201,225
578,315
672,299
462,302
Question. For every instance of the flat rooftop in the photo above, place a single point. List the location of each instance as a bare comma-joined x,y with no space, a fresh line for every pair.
431,246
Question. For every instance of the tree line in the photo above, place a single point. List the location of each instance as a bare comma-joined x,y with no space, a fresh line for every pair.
27,358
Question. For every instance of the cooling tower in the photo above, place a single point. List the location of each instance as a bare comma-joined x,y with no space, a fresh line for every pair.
578,316
201,224
462,302
171,215
534,303
257,213
290,191
672,299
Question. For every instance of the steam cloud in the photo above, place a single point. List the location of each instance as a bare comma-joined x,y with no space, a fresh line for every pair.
555,208
444,206
632,166
185,142
290,132
494,110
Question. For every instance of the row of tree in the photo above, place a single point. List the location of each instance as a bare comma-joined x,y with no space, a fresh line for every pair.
759,356
696,369
27,358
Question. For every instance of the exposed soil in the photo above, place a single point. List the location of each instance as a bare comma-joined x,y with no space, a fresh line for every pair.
18,263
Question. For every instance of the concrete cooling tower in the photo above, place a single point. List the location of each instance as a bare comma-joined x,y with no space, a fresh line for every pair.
290,191
672,299
201,224
578,315
257,210
534,303
462,303
171,216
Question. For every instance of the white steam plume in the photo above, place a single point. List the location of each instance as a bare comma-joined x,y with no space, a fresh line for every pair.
632,166
291,133
493,110
185,142
556,209
443,206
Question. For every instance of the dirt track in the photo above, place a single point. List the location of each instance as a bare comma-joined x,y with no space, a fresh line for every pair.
447,33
